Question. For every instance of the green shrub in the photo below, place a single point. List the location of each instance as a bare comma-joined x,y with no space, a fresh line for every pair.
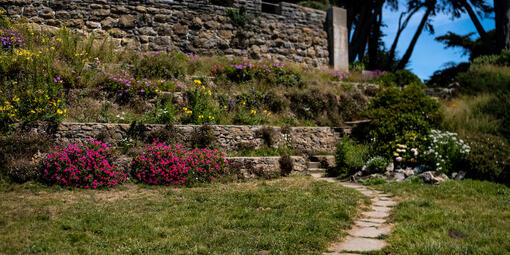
485,78
376,164
502,59
350,157
399,78
395,112
160,65
202,108
446,152
489,158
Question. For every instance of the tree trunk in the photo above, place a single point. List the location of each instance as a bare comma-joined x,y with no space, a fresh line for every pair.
479,28
362,31
405,59
502,8
356,40
401,27
373,43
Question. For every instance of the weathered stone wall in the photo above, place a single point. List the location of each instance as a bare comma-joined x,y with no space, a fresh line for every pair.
228,138
192,26
264,167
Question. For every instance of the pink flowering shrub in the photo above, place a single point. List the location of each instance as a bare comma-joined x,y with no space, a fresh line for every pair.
161,164
82,166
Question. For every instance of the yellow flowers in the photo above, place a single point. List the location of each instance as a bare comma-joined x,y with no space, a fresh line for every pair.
60,112
209,92
197,81
2,12
200,116
253,112
15,99
189,112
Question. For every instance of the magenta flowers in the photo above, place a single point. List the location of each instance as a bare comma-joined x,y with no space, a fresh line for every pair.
82,166
162,164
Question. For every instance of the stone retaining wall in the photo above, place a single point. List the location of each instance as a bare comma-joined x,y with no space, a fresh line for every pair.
228,138
296,33
265,167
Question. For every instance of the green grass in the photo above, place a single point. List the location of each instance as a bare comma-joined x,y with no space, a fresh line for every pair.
286,216
456,217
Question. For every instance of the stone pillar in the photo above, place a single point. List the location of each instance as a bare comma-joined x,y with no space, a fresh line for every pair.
338,38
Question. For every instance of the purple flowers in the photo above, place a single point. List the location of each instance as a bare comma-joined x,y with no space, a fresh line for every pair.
11,39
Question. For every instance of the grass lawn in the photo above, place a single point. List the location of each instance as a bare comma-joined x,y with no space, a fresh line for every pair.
466,217
295,215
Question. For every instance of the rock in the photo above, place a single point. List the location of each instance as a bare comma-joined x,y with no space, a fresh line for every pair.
429,177
127,21
460,176
93,24
390,167
399,176
107,23
180,29
408,173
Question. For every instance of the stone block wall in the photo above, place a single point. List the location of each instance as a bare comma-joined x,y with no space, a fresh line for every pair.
297,34
264,167
229,138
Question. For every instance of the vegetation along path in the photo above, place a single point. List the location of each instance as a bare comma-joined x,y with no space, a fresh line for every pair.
369,230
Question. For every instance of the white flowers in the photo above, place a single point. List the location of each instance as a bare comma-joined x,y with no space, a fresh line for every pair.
445,148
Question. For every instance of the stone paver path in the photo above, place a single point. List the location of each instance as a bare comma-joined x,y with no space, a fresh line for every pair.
368,231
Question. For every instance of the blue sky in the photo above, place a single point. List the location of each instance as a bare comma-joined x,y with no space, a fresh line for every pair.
429,55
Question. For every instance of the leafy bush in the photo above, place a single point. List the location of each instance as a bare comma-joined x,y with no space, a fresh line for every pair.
408,149
376,164
161,65
350,157
445,152
484,78
83,166
399,78
161,164
395,112
502,59
202,108
286,165
489,158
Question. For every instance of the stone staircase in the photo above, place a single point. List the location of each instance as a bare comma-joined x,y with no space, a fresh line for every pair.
317,164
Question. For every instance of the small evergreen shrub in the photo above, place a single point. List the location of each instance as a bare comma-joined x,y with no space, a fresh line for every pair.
83,166
350,157
376,164
286,165
161,164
